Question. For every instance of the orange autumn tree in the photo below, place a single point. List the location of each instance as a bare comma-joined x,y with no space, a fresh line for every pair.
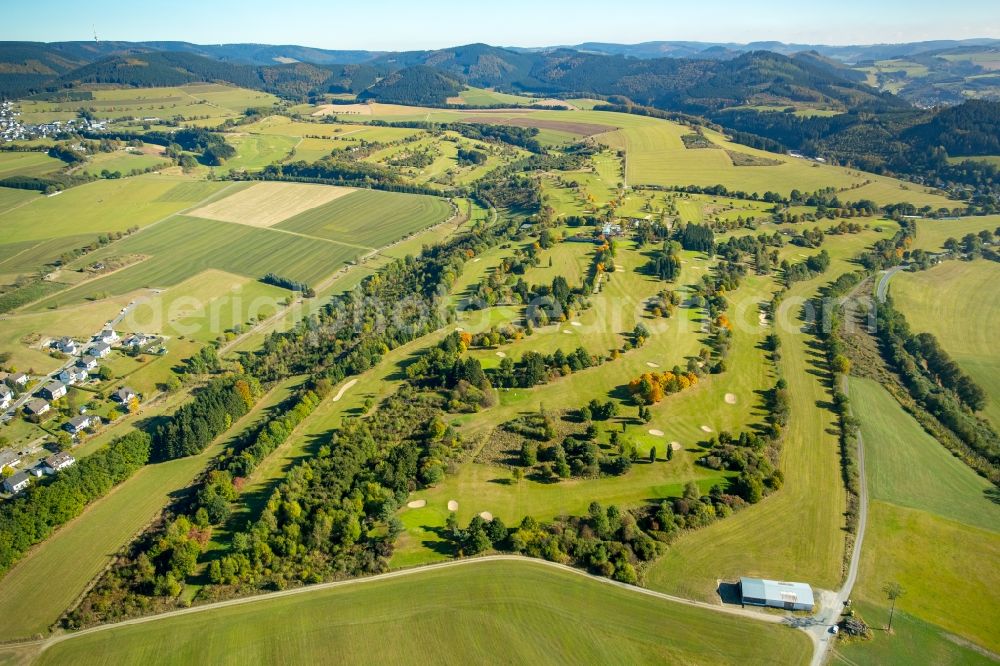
651,387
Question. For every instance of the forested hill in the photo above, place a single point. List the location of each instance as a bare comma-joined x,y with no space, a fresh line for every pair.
670,83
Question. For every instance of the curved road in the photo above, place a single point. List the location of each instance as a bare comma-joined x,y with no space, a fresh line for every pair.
883,283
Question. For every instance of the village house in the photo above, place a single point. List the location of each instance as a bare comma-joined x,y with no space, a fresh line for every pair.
87,362
6,396
100,349
123,395
53,390
17,379
137,340
67,346
9,458
37,407
58,462
16,483
108,336
78,424
71,376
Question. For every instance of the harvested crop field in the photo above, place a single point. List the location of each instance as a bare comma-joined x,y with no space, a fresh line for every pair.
266,204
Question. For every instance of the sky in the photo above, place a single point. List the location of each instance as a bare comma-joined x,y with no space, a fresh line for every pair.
394,25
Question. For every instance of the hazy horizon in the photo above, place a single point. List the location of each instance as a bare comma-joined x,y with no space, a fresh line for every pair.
394,25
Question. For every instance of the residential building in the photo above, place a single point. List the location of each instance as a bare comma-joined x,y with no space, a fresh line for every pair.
59,461
16,483
123,395
6,397
78,424
776,594
37,407
67,346
108,336
17,379
53,390
100,349
9,458
137,340
72,375
87,362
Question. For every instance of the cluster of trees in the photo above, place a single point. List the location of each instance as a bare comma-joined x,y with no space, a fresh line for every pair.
534,368
664,303
443,367
650,387
32,516
696,237
553,303
811,267
214,408
288,283
243,459
924,349
760,249
980,442
888,252
469,157
666,262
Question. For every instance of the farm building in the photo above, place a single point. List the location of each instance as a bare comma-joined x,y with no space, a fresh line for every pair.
777,594
16,482
53,390
36,406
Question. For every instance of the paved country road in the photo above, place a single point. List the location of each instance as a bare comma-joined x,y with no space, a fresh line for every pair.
883,283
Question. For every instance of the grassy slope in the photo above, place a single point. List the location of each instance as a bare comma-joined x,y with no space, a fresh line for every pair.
965,323
66,562
931,234
497,612
932,527
28,164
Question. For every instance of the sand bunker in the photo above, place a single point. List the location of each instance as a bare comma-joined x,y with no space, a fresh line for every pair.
656,433
652,365
417,504
344,389
676,446
452,505
730,399
477,260
705,428
575,323
459,329
619,269
486,515
501,355
566,330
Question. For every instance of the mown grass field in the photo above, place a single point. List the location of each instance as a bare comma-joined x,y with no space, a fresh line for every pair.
28,164
122,162
256,151
485,97
182,247
931,234
932,527
45,227
369,218
959,303
491,612
67,561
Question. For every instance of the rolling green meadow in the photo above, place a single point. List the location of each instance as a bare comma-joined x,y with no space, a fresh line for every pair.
933,527
489,612
965,323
